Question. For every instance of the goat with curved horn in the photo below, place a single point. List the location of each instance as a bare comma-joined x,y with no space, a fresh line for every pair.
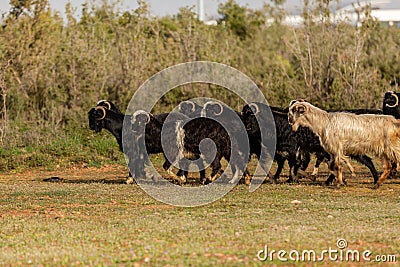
192,109
139,112
104,112
105,102
109,106
256,109
397,101
214,103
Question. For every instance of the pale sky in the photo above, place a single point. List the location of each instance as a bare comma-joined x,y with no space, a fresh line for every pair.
164,7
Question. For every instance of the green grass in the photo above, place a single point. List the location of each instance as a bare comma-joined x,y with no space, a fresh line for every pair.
63,149
78,222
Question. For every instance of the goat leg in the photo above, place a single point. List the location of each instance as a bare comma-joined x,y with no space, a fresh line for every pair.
387,165
281,162
321,157
367,161
393,170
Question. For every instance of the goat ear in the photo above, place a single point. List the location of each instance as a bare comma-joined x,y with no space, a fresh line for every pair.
301,109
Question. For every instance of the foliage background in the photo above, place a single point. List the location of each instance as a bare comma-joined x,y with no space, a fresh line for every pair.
53,70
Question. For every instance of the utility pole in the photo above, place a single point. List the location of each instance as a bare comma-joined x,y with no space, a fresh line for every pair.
200,10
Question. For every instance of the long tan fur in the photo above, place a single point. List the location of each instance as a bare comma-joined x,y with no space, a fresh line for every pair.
342,134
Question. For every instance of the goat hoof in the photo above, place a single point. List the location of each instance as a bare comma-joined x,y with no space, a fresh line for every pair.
292,181
313,178
273,181
376,186
329,181
207,181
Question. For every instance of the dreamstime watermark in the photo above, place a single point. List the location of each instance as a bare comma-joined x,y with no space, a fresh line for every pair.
341,253
173,135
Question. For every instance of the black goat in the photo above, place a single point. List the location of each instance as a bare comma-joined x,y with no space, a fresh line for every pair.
285,139
101,118
282,154
391,107
181,139
230,126
193,110
391,104
147,129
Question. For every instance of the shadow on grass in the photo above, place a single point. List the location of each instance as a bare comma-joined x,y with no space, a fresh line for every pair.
195,182
56,179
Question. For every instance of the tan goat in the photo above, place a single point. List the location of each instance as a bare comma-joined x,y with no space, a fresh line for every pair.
342,134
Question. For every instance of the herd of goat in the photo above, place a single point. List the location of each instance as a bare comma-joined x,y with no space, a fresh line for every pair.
293,133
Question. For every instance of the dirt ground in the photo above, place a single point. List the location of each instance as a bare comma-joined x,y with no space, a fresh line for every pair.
90,217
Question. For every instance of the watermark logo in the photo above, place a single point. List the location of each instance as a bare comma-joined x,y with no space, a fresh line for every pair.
341,243
339,254
175,134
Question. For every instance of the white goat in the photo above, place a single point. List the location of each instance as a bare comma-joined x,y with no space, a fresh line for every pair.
342,134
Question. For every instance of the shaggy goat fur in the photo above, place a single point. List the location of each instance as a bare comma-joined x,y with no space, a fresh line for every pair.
295,147
342,134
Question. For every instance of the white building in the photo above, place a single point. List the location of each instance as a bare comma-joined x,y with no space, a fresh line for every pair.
380,9
385,11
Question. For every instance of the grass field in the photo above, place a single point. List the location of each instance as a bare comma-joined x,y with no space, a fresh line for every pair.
91,218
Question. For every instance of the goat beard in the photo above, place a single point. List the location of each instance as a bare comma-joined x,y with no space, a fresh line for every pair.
295,126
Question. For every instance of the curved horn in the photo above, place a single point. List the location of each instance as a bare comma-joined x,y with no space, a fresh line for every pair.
193,106
220,106
104,111
188,102
256,108
105,102
108,105
295,101
142,112
292,102
397,101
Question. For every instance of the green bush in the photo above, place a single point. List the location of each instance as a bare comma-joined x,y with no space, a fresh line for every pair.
53,71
